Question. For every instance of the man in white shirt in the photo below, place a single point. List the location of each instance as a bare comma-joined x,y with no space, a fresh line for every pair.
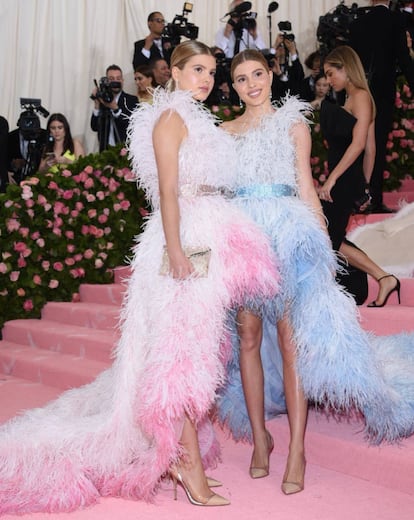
239,33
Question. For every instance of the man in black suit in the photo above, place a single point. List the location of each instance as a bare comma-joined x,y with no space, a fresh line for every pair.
4,130
110,118
24,147
154,46
380,40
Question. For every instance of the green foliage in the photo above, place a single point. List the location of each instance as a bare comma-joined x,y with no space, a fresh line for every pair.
58,230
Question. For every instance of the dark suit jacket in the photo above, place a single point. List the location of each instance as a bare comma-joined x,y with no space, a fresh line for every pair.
14,152
379,39
126,103
140,59
4,131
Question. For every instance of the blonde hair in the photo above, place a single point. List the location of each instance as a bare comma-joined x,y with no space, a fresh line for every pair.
182,54
344,57
248,55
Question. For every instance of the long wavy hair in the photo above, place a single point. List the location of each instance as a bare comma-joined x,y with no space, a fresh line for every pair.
344,57
182,54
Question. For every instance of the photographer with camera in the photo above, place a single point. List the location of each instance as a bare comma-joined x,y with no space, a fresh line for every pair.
287,69
112,109
25,143
240,31
155,45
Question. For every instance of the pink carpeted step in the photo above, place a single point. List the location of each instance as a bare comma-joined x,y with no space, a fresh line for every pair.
47,367
394,199
110,294
360,219
407,292
338,444
94,316
121,274
390,319
67,339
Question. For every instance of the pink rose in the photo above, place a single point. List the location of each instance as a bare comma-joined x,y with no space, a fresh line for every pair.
46,265
58,266
109,245
78,257
98,263
3,268
100,195
19,247
92,213
21,292
85,229
57,231
28,305
117,207
14,276
21,262
24,231
123,152
89,183
40,242
12,225
143,212
69,261
41,199
53,284
30,212
79,206
107,230
66,173
386,174
88,169
103,255
90,197
74,213
102,219
35,235
70,248
120,196
70,234
88,254
37,280
214,109
75,297
52,185
30,203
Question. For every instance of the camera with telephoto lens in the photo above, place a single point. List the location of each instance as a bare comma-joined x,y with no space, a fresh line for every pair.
105,88
29,122
180,26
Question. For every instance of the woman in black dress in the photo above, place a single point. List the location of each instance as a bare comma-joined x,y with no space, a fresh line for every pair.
349,131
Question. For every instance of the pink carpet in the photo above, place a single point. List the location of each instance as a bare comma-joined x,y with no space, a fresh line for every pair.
345,480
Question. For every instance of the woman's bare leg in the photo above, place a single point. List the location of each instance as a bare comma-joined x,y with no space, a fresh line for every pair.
297,408
250,334
361,260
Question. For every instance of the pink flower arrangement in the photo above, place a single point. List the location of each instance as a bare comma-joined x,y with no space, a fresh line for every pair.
62,229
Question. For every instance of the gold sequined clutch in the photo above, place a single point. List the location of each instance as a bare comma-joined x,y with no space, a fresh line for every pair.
198,256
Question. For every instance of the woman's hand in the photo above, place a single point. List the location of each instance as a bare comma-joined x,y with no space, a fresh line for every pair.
180,266
324,192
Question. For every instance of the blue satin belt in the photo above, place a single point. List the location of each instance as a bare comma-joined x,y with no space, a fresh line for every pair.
265,191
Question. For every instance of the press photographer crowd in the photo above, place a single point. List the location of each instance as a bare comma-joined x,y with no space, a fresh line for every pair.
30,148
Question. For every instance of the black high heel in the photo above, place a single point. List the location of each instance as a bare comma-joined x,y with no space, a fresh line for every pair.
396,288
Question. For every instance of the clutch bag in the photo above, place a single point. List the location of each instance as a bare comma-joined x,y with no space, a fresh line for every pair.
198,256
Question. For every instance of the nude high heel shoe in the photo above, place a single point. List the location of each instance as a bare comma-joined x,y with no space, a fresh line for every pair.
261,472
289,487
196,500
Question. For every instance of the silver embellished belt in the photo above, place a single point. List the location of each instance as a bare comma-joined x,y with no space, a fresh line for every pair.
200,190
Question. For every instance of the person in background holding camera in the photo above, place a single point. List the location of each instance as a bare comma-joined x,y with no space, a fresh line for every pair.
349,131
307,88
240,31
287,69
113,108
321,86
154,45
24,149
60,148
